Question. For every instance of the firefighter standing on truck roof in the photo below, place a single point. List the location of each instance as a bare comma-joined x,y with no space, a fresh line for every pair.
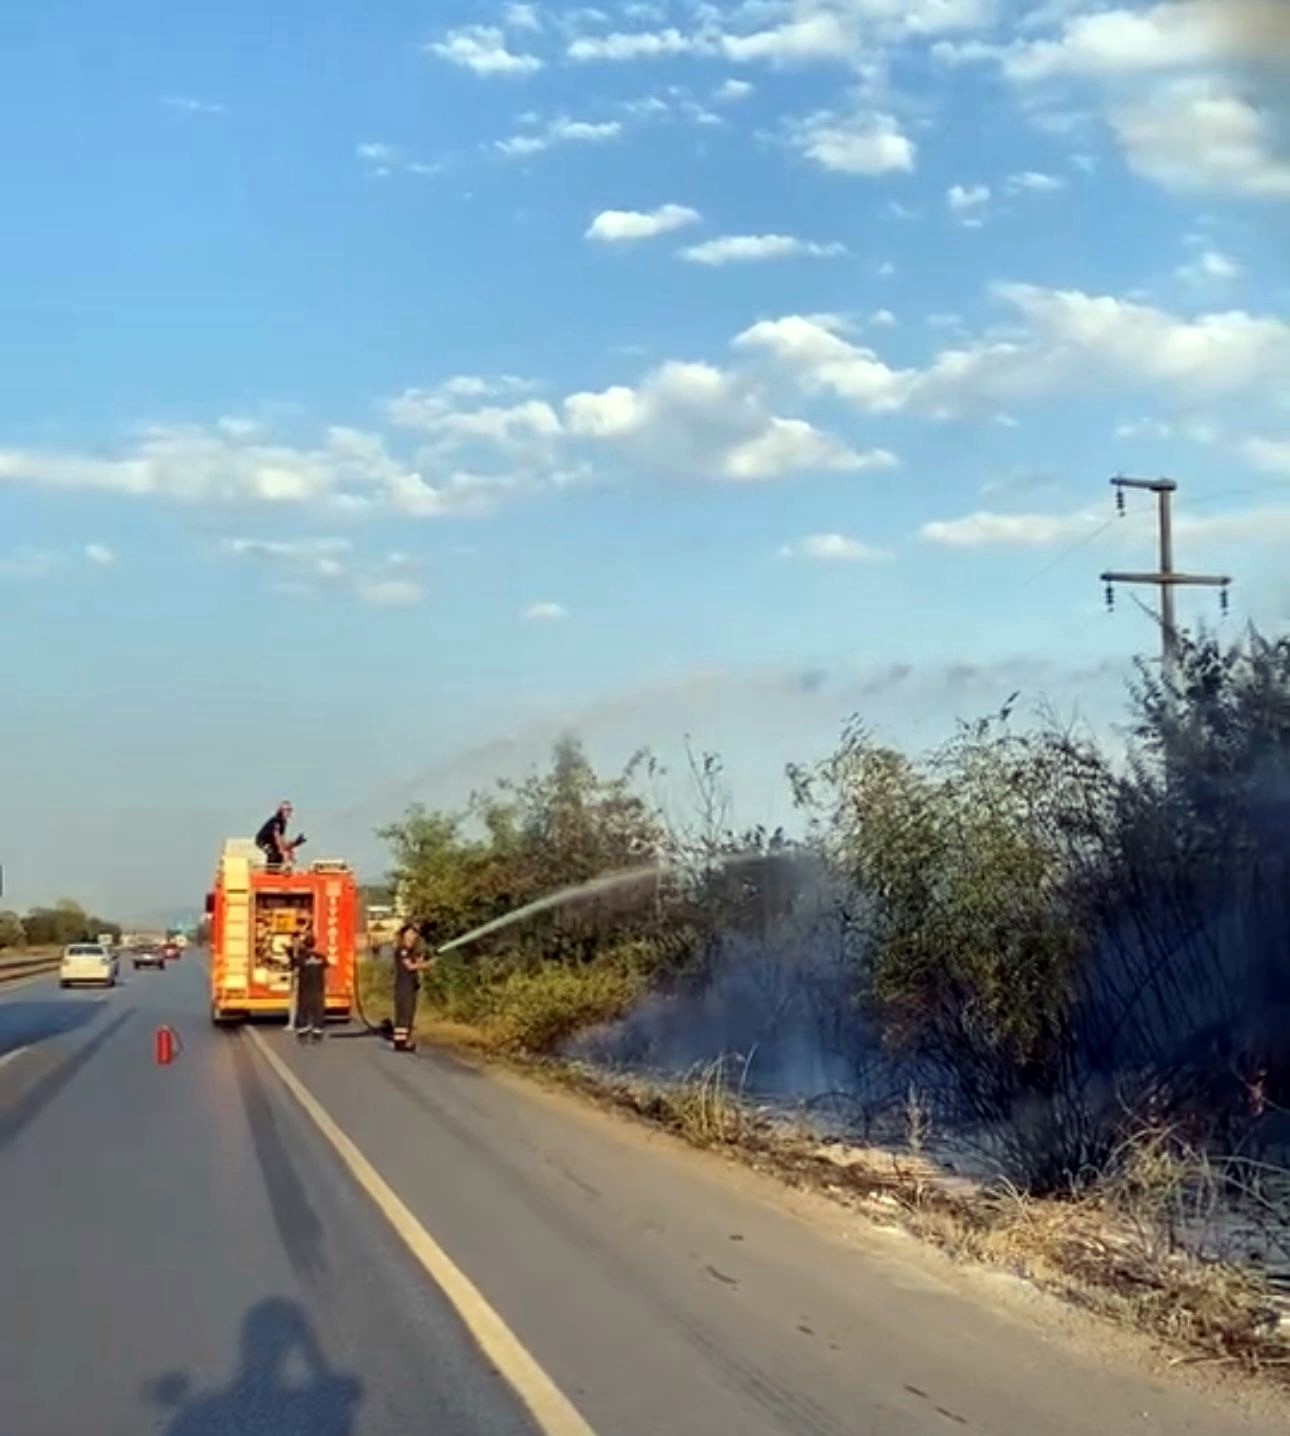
409,964
272,838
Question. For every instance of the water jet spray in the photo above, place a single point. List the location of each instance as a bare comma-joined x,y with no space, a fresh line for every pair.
593,888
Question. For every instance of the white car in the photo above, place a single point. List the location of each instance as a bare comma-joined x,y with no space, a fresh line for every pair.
88,962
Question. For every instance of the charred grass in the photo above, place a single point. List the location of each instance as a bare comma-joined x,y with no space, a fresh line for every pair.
1114,1248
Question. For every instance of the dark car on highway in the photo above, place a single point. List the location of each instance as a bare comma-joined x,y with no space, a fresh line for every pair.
147,954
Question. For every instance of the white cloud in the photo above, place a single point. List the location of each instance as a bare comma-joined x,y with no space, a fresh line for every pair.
190,106
517,146
1179,120
647,106
390,592
1191,88
1268,525
794,446
695,421
349,469
1272,455
633,45
967,199
1172,35
545,612
1208,268
1190,430
865,142
834,548
747,248
817,35
612,226
584,130
1035,182
377,152
1201,134
329,563
322,556
790,32
561,131
732,91
532,418
100,554
823,361
482,49
1069,341
1144,429
985,529
522,17
477,386
459,427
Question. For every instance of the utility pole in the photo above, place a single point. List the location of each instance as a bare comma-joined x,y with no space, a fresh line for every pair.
1167,578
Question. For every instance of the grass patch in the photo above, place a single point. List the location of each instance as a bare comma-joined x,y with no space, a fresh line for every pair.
534,1011
527,1010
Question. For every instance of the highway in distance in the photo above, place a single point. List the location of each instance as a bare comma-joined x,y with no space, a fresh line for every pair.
341,1241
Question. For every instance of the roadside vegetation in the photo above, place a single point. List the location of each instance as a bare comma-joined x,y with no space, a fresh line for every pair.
1072,964
538,983
46,927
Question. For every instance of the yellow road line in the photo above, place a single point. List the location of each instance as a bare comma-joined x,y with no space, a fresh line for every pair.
551,1409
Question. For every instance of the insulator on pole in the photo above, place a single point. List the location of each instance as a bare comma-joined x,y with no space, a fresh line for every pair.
1224,601
1119,502
1110,599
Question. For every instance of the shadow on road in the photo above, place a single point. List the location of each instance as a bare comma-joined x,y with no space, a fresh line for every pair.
284,1384
24,1023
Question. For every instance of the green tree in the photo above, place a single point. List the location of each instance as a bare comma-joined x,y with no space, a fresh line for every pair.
12,933
67,921
524,840
961,865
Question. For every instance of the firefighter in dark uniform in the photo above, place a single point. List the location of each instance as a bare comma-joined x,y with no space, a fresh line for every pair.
409,964
311,965
272,841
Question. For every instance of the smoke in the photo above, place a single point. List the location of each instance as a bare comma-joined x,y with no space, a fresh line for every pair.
1179,1008
759,718
782,997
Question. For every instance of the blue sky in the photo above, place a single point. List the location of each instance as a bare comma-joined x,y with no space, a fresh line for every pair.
384,387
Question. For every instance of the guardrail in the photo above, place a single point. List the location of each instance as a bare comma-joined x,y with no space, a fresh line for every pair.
14,969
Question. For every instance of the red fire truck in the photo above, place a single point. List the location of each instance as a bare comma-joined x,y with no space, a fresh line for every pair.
255,914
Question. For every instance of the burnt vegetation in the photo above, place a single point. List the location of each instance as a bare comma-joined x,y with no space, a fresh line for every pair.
1063,954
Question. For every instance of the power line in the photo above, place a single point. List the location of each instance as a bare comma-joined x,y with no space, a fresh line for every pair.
1073,547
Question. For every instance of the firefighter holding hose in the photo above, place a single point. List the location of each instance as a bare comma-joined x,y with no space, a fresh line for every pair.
409,964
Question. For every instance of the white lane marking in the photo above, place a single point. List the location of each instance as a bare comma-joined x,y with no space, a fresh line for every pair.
7,1057
551,1409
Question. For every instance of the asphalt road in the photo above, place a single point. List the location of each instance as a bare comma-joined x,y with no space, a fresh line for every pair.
183,1251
